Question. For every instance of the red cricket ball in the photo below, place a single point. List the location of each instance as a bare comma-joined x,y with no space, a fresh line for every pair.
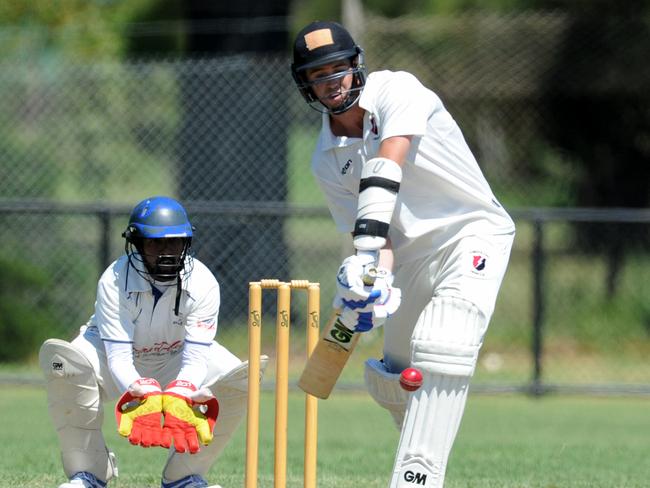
410,379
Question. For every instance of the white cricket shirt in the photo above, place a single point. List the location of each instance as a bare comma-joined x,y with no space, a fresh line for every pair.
443,195
125,313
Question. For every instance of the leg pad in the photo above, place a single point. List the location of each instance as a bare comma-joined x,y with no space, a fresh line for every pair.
385,389
447,338
75,407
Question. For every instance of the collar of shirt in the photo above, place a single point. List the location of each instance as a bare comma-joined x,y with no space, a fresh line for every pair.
329,141
135,282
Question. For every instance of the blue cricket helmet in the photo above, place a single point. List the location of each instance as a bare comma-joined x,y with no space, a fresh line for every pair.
158,217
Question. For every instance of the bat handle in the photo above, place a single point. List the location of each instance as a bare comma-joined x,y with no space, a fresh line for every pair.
370,275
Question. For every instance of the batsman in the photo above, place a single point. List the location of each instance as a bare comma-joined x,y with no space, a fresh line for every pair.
398,175
150,348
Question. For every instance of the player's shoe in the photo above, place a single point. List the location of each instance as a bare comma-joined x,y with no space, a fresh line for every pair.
191,481
83,479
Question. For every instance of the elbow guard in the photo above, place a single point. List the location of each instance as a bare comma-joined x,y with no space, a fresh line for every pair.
378,188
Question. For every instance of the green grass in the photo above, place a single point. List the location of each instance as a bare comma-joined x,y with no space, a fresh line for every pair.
504,442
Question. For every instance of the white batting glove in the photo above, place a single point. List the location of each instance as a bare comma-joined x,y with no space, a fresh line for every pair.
350,287
375,315
386,306
362,297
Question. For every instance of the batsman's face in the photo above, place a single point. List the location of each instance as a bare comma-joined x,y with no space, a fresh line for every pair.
331,82
167,249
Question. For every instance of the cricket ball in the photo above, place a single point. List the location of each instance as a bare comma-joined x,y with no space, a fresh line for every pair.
410,379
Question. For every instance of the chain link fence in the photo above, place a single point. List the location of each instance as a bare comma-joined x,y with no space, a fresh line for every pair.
81,143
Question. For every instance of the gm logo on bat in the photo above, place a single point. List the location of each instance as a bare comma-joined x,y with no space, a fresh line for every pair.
340,335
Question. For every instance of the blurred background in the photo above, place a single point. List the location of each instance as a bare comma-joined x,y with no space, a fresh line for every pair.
106,102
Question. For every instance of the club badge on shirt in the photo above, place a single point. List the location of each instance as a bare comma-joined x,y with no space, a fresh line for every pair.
479,262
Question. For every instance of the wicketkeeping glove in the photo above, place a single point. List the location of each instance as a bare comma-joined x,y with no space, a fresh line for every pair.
139,413
190,416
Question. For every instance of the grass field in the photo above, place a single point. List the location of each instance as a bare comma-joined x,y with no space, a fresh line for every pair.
504,442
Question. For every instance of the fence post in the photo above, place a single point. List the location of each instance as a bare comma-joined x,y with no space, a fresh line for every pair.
105,244
536,387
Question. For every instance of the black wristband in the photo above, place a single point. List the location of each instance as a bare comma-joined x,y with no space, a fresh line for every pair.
368,227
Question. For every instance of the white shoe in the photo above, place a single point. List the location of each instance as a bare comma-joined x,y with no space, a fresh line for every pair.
83,479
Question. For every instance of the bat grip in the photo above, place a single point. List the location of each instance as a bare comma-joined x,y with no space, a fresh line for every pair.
370,271
370,275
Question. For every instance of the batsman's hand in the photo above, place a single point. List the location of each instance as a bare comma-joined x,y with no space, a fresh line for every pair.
361,287
350,285
375,315
190,416
139,413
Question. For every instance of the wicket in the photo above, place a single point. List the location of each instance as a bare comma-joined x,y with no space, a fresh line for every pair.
283,321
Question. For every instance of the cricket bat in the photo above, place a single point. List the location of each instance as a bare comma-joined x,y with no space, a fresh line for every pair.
331,353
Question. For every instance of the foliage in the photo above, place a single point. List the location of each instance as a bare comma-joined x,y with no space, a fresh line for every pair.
305,12
75,29
23,323
74,143
391,8
322,9
71,143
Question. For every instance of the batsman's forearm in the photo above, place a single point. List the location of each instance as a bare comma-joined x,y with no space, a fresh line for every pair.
386,256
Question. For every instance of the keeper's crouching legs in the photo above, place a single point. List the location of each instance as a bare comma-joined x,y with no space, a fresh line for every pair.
75,407
444,347
231,391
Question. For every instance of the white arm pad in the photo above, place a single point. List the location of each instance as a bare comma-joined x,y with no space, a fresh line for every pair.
119,356
194,364
378,188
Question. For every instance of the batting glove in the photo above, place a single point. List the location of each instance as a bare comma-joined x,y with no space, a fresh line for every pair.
375,315
350,286
190,416
139,413
362,296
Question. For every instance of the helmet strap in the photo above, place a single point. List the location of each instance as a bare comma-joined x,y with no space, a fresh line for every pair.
177,303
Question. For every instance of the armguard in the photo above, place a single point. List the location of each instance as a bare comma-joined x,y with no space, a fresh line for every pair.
378,188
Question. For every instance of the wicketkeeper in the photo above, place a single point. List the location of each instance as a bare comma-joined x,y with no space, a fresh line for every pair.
150,347
398,174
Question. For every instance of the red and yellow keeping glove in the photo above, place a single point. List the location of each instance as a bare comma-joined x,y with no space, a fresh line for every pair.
139,413
190,416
